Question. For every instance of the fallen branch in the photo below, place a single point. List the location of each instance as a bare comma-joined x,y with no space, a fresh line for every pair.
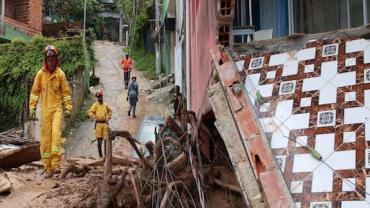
120,183
168,193
225,185
116,161
171,123
135,187
19,156
127,135
178,163
72,168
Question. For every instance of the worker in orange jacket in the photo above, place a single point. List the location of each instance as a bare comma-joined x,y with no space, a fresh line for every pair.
101,113
51,86
126,65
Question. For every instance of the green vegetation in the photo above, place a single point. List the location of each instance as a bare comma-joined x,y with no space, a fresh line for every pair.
139,19
144,62
19,63
73,10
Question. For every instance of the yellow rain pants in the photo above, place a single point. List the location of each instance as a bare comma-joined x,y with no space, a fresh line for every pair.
54,91
101,113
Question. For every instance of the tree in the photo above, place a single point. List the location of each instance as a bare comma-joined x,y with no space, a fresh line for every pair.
73,10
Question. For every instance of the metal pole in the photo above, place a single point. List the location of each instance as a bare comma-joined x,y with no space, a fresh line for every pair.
290,16
187,42
2,17
84,35
348,15
121,28
250,13
364,5
158,42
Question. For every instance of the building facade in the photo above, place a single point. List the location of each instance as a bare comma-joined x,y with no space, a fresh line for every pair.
21,19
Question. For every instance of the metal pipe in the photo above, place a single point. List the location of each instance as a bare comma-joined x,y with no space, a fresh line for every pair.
364,5
290,17
187,42
2,16
158,42
242,15
348,15
250,13
84,35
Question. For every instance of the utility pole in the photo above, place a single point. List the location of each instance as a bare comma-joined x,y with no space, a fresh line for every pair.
84,35
2,17
158,41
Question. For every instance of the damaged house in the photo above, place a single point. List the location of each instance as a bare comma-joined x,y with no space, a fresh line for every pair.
21,19
292,112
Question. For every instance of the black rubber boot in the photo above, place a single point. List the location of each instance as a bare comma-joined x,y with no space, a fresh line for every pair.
99,148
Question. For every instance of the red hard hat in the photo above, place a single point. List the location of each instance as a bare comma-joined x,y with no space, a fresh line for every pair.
99,93
50,50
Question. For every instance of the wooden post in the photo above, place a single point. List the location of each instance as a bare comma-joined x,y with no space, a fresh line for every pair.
106,193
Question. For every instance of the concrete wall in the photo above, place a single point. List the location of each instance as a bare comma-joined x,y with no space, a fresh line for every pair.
207,18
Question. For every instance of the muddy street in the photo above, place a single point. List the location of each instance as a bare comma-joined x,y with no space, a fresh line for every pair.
32,190
108,69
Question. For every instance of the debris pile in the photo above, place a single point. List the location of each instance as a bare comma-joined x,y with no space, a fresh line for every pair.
185,167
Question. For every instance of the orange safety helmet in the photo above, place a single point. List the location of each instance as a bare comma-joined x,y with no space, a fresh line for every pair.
50,50
99,93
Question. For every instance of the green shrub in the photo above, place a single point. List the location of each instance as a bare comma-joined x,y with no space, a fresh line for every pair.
19,63
144,62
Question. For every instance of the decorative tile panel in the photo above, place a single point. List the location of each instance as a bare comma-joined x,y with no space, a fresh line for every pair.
256,63
330,50
326,118
287,87
318,119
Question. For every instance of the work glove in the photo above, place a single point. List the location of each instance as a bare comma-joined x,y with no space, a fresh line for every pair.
67,113
32,114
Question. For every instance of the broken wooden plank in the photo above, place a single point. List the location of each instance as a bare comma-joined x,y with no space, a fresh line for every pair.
19,156
252,135
235,147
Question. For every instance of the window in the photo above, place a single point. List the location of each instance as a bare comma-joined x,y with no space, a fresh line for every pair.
315,16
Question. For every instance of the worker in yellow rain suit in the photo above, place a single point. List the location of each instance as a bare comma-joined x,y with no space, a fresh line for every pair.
51,86
101,113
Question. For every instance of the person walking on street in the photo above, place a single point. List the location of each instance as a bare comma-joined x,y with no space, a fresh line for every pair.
177,101
132,96
101,113
126,65
50,84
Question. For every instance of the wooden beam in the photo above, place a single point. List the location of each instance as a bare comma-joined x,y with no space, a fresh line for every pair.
235,147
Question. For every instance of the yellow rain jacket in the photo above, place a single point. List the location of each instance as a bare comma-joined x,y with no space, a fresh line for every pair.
102,113
53,90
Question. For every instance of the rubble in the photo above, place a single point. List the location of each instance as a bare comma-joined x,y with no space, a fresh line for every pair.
18,156
163,82
5,185
160,94
178,172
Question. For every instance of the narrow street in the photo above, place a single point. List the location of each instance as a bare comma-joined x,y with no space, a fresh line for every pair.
33,188
109,71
